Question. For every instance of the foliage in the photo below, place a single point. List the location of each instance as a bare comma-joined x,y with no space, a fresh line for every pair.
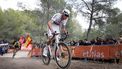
14,23
105,20
97,11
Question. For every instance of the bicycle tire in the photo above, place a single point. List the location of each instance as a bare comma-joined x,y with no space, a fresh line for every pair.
46,59
69,56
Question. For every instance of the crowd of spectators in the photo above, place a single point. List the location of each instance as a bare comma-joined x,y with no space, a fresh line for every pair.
3,46
97,41
3,41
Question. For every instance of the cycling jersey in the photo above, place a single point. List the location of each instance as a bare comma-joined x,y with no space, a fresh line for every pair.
57,19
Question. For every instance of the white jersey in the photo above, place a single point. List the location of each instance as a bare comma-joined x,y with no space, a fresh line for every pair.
57,19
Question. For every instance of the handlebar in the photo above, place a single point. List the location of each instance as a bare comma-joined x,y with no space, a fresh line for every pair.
63,36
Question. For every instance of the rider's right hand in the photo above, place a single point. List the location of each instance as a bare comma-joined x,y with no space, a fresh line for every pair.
66,33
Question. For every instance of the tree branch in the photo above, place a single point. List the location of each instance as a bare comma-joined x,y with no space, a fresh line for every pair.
100,17
84,12
86,5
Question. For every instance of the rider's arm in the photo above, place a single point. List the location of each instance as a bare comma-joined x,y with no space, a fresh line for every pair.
64,29
50,25
64,26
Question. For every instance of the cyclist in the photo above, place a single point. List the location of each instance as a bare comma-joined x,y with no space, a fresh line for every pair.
57,24
16,48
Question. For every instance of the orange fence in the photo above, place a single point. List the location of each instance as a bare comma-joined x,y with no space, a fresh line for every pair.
36,52
99,52
92,51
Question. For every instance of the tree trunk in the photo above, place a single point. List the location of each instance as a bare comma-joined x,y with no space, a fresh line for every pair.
91,18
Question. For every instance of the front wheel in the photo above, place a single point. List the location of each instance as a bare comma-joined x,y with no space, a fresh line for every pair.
63,56
46,59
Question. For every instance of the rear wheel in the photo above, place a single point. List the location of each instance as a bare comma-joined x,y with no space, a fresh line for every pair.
63,56
46,59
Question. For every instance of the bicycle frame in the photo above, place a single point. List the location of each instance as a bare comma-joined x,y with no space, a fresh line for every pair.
54,44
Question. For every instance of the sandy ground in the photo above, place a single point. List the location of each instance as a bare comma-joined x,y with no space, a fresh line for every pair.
21,61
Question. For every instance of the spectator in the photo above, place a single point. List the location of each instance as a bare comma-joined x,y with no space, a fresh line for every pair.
86,42
98,41
93,42
120,39
104,42
110,41
81,42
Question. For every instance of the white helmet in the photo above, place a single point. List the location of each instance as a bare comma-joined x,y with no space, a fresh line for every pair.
66,12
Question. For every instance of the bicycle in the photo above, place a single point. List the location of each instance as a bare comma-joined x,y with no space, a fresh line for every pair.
62,54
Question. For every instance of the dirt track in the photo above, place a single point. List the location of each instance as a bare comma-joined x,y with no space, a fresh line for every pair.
36,63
